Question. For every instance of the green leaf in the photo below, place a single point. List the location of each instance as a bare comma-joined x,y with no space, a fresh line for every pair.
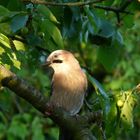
104,99
108,56
50,28
45,11
128,21
5,14
7,55
126,109
5,28
4,40
37,133
118,37
111,119
3,11
14,5
18,129
18,22
93,19
2,131
106,29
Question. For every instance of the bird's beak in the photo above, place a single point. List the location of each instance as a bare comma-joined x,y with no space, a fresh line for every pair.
47,63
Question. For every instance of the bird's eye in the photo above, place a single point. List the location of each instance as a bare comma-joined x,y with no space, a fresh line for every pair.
55,56
57,61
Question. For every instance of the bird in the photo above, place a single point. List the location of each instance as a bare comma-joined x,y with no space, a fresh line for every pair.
69,82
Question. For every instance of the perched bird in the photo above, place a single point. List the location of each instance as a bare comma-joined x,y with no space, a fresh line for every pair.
69,82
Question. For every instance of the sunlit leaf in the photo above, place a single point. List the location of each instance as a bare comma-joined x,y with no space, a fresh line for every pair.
1,50
19,45
4,40
127,108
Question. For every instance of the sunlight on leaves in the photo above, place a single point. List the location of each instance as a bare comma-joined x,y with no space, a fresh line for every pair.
126,102
19,45
4,40
10,55
1,50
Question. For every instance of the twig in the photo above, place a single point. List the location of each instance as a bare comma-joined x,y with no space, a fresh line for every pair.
63,4
113,9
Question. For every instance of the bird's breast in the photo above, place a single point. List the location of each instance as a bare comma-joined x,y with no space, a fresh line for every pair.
68,91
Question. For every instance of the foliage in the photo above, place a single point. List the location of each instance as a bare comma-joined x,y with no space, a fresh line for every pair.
105,41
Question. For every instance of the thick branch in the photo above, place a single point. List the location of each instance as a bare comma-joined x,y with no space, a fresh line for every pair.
63,119
22,89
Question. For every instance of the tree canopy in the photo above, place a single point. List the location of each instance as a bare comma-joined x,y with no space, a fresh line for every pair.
104,37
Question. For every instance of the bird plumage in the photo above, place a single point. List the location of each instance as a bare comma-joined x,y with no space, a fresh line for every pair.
69,82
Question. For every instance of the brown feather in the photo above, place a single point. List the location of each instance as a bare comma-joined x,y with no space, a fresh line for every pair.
69,82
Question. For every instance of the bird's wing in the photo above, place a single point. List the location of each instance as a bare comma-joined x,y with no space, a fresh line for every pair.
52,85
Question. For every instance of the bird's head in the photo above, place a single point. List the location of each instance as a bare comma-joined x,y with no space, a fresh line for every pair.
61,59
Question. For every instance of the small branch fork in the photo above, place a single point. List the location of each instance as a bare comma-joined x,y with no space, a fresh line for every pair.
66,122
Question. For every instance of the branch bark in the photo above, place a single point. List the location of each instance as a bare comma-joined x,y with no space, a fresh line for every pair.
63,4
76,126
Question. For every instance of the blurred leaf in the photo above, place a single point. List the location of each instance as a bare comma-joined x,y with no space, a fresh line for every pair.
49,28
94,20
108,56
18,129
3,11
37,133
111,119
136,62
106,29
27,117
5,28
128,21
117,36
45,11
2,130
104,99
18,22
14,5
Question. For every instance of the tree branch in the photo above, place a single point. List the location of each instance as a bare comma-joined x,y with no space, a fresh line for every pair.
116,10
113,9
65,122
63,4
